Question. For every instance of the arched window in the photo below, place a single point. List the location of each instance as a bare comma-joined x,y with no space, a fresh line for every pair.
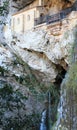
28,17
42,14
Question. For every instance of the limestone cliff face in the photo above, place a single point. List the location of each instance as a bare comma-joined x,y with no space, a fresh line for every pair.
46,51
43,53
56,5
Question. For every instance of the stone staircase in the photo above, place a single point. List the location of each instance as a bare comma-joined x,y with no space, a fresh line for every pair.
54,29
57,28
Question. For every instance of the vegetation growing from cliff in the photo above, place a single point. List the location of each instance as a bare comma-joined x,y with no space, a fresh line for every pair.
4,8
13,110
70,99
72,72
2,71
71,88
12,100
72,79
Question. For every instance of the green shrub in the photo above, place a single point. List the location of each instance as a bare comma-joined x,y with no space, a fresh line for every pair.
72,79
4,9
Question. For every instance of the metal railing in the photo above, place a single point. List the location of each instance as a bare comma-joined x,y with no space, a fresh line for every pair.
53,18
56,17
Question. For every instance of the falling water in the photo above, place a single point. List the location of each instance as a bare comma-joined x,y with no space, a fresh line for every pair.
43,121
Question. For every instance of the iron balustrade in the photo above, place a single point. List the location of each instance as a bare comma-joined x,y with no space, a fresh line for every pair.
56,17
53,18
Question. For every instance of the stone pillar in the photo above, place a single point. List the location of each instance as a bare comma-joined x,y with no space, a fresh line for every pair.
41,2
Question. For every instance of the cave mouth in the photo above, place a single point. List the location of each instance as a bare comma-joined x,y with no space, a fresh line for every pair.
60,76
55,94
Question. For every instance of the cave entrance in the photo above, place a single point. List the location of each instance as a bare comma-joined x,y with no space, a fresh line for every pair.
55,94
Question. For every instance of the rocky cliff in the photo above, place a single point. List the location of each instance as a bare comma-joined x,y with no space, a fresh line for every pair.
46,51
29,64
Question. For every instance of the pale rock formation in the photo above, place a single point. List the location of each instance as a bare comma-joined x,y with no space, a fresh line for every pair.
7,62
43,51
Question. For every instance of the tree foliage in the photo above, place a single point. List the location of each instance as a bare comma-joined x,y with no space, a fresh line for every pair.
4,10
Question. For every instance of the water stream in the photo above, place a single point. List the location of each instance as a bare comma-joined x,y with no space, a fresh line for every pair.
43,121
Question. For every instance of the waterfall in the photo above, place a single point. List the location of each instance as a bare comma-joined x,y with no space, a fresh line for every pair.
43,121
62,109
